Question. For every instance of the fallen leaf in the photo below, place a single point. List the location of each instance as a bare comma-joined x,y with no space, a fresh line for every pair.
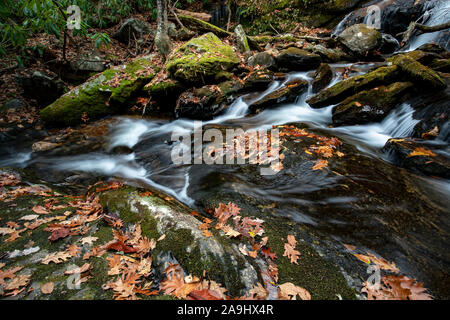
47,288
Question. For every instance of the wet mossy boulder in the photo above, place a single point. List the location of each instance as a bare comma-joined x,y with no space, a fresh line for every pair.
351,86
165,92
417,72
441,65
370,105
200,59
328,54
285,94
184,242
419,156
207,102
322,77
295,59
104,94
360,39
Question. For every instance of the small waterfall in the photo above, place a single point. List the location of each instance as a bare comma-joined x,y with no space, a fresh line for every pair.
436,12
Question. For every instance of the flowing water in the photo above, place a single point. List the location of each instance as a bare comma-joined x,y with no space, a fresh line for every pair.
305,199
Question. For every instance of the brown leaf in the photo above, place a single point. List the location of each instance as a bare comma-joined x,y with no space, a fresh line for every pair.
47,288
40,209
59,234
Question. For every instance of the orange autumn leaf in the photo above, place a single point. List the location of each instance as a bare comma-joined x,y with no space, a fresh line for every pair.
320,164
421,152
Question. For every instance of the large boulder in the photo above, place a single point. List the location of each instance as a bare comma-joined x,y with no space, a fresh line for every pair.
104,94
42,87
285,94
207,102
418,156
201,59
351,86
295,59
370,105
418,72
132,29
184,242
360,39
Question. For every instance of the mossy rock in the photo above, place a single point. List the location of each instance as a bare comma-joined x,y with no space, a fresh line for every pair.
183,241
360,39
417,72
106,93
351,86
370,105
322,77
201,59
441,65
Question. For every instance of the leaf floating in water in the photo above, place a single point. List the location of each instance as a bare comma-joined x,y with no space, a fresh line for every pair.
320,164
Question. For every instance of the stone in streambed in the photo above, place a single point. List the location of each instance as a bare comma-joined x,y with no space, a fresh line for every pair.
286,94
441,65
417,156
351,86
360,39
207,102
417,72
370,105
295,59
259,80
322,77
200,59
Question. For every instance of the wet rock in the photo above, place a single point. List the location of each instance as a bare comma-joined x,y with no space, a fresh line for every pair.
206,102
322,77
434,48
241,39
418,156
259,80
329,55
184,241
351,86
200,59
132,29
294,59
286,94
388,44
263,59
441,65
104,94
43,88
418,72
423,57
360,39
370,105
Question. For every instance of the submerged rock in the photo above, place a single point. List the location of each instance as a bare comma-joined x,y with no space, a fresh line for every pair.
370,105
360,39
294,59
351,86
322,77
200,59
104,94
285,94
418,156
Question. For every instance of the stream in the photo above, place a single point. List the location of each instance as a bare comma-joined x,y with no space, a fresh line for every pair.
412,231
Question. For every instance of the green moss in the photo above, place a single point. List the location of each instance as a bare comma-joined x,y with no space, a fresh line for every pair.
201,58
418,72
351,86
98,97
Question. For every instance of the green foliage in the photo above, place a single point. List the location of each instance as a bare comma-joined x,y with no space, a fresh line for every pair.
20,19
